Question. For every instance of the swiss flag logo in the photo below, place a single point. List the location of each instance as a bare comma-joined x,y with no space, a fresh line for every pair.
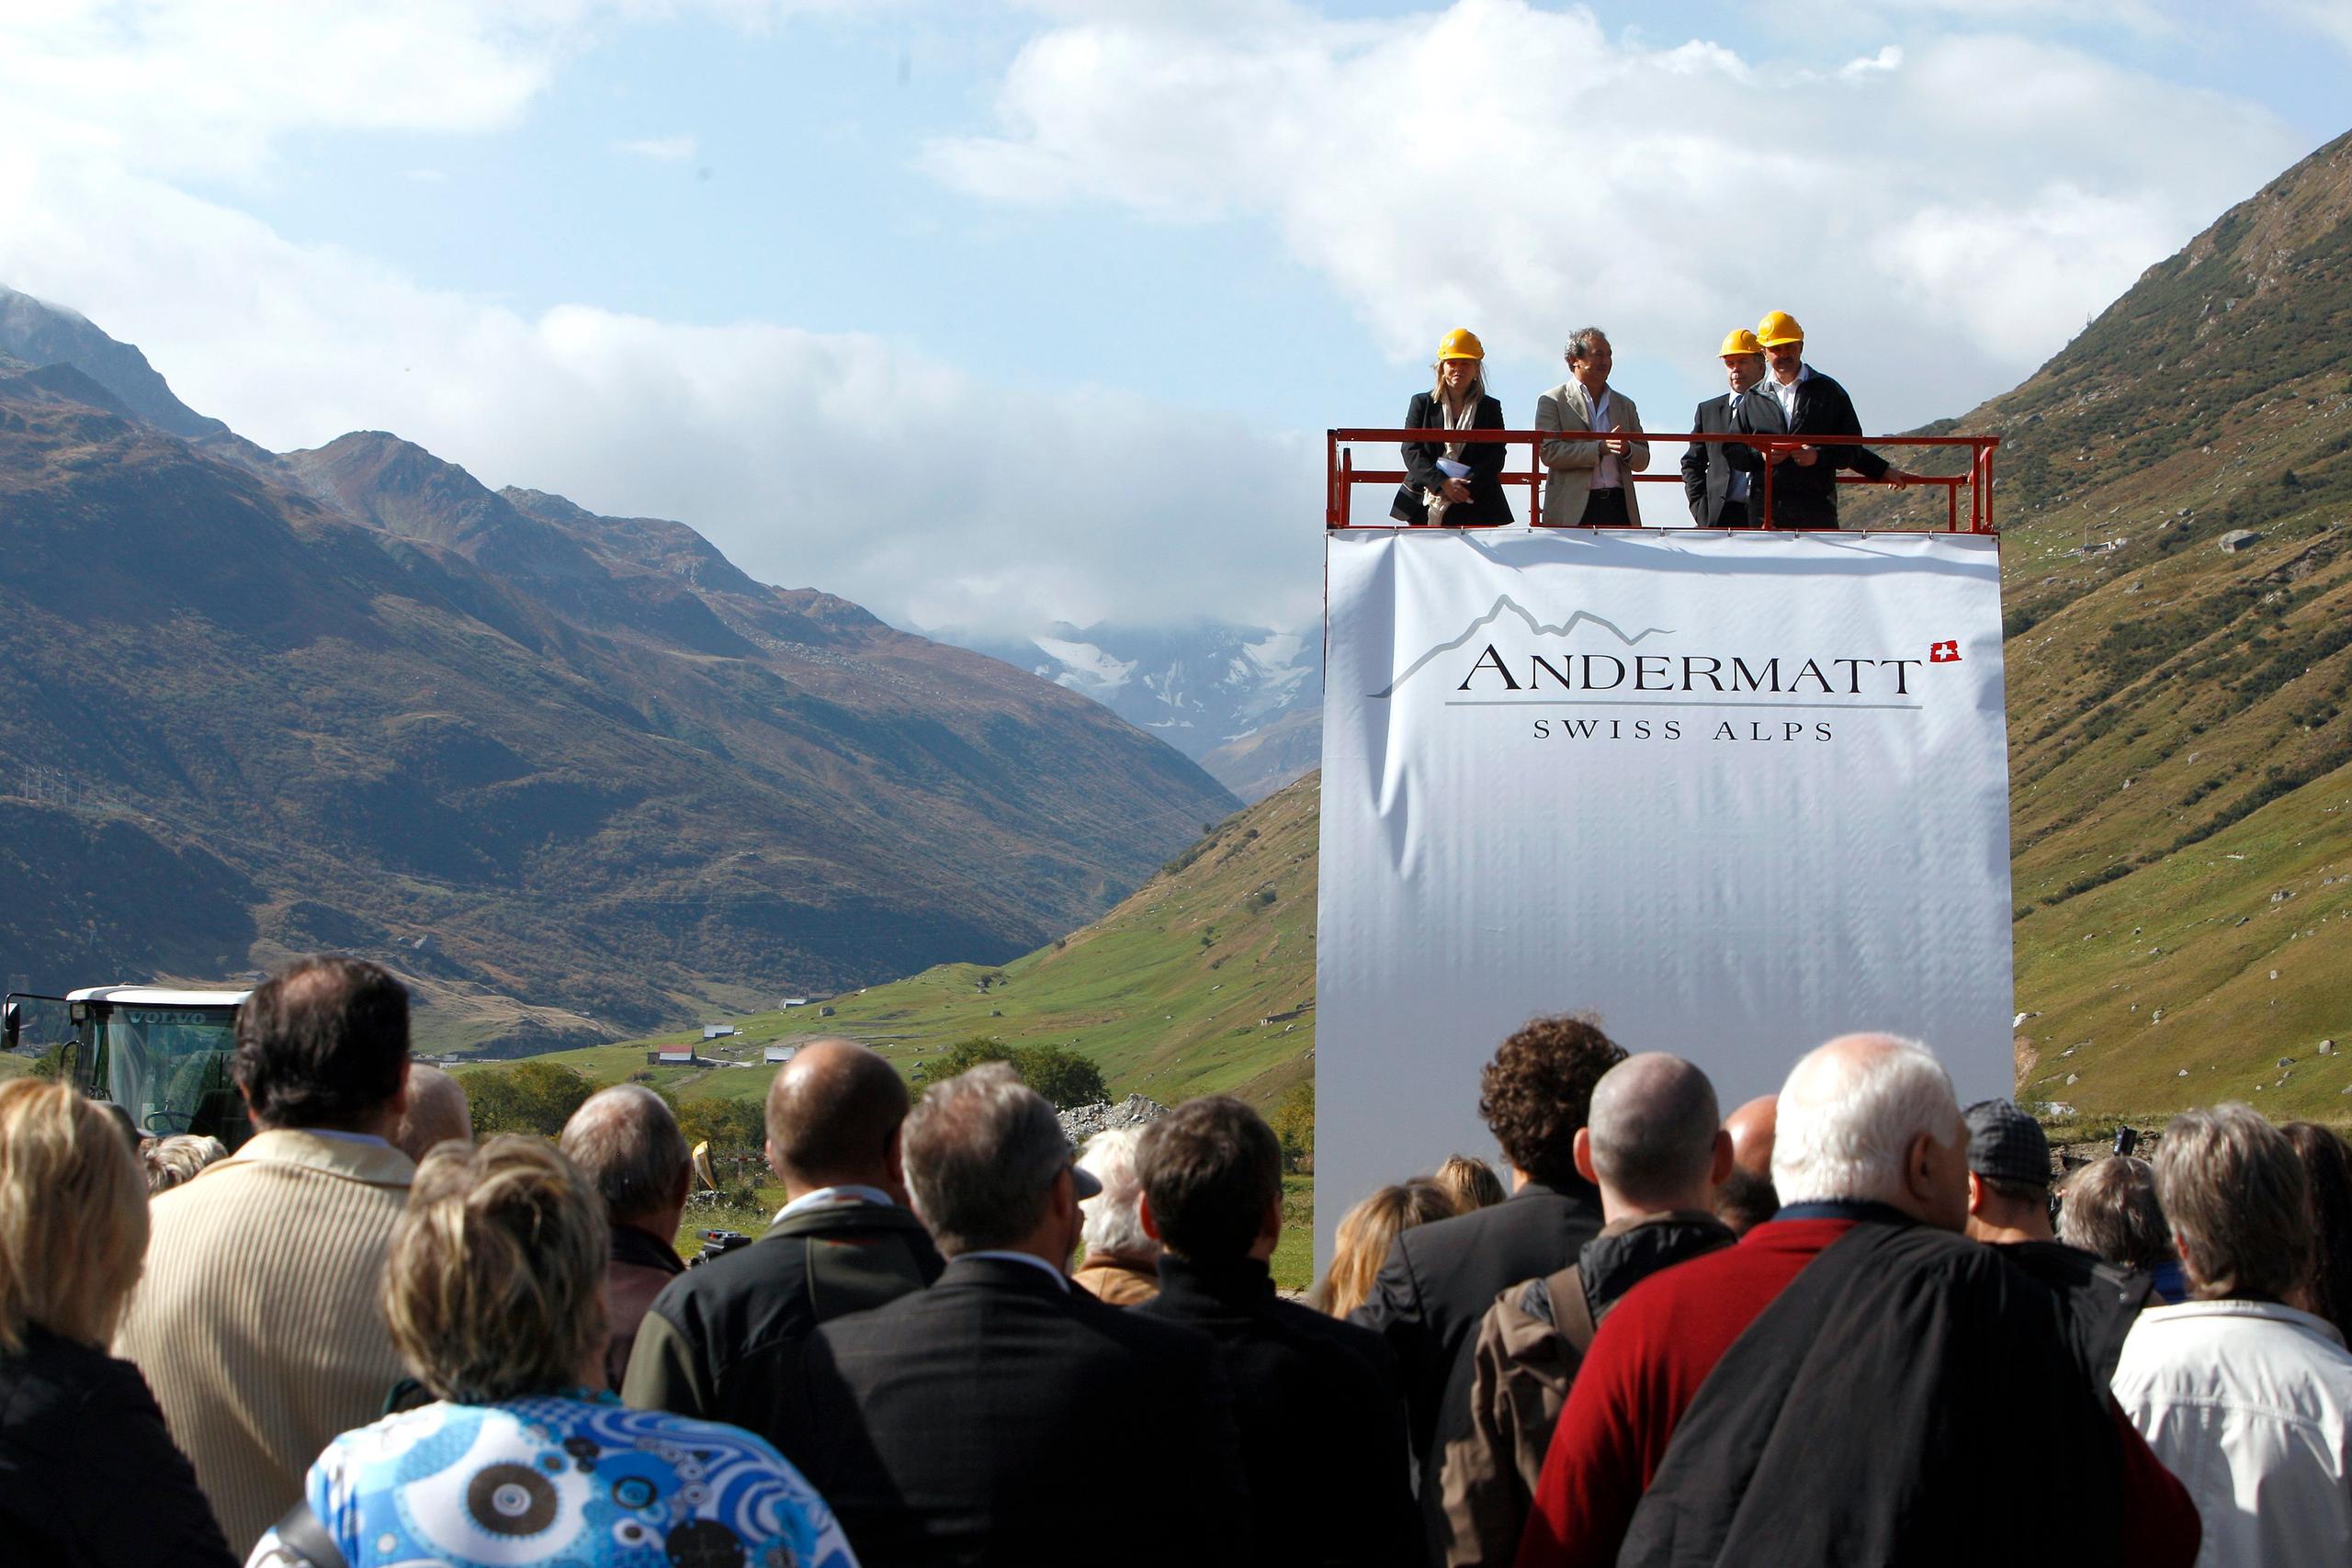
1943,653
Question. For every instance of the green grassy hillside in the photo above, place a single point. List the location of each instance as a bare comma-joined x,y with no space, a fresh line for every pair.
2178,755
1170,993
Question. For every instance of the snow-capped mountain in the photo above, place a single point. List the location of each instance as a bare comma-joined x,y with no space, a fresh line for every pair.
1204,688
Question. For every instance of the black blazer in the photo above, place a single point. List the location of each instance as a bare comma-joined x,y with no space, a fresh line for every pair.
1807,497
1000,1417
1437,1283
1322,1419
722,1340
89,1477
1487,503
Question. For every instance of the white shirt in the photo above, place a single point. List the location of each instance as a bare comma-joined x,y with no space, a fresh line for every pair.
1605,474
2250,1404
1031,1258
1787,395
847,1192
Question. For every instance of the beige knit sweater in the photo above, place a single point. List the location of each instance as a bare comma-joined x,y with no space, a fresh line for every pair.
257,1323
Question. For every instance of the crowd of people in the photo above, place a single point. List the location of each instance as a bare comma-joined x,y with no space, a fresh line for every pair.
1836,1325
1592,442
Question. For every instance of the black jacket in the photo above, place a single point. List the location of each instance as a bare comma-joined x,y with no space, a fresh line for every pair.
1487,503
1321,1416
1437,1283
1807,497
2096,1301
722,1340
1872,1412
1001,1417
88,1475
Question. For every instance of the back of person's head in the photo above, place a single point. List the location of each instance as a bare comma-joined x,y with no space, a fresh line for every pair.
2327,1166
1851,1115
322,1042
1748,1198
832,1113
1471,1183
1654,1139
1212,1173
2239,1207
1366,1232
625,1141
73,1216
982,1152
437,1113
495,1284
2110,1210
174,1161
1114,1226
1537,1091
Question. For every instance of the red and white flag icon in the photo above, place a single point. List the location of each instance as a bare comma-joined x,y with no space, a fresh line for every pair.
1943,653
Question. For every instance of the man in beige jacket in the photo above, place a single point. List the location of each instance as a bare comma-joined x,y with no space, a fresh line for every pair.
1591,484
256,1322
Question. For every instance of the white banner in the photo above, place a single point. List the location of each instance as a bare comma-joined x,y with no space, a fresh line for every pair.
1736,793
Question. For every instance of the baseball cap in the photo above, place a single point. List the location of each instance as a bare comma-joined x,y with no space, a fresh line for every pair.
2007,1145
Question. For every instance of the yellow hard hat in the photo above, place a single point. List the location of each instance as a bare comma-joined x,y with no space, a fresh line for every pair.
1778,328
1741,341
1460,343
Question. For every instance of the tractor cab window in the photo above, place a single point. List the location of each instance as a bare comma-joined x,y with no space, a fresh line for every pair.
169,1067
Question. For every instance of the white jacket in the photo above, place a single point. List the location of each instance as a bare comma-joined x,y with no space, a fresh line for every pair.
2250,1404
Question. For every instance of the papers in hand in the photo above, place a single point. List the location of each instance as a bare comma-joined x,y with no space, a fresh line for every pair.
1452,469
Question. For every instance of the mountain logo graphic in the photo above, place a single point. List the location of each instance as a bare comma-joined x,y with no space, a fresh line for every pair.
1527,618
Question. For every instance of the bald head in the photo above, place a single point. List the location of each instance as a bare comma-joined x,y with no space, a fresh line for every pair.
437,1113
1873,1117
1652,1142
833,1113
1751,1128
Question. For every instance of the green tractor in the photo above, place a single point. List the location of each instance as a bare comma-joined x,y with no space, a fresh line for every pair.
161,1055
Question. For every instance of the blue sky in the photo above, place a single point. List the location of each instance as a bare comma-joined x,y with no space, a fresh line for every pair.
991,316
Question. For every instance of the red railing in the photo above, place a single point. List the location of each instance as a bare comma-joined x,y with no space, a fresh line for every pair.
1343,476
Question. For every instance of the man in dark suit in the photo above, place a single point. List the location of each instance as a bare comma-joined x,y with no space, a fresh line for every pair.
722,1342
1321,1416
971,1423
1804,488
1717,491
1440,1279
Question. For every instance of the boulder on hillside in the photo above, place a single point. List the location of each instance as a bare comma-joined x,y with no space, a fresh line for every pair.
2237,539
1081,1122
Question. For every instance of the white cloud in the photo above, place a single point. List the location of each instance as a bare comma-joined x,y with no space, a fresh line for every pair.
1943,212
834,460
660,149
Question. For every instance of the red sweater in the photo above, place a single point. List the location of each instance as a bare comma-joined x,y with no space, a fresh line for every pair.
1655,1347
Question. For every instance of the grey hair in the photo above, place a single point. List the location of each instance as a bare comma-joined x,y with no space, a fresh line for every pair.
1652,1129
1114,1216
170,1162
1580,342
437,1113
1847,1123
625,1141
981,1150
2236,1196
2110,1210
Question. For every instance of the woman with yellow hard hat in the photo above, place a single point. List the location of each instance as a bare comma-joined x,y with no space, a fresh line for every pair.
1454,484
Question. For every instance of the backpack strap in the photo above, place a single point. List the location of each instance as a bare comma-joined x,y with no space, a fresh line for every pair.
300,1532
1571,1311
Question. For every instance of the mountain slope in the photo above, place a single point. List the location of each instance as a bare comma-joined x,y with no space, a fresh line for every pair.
1201,981
2178,759
40,334
1235,699
572,776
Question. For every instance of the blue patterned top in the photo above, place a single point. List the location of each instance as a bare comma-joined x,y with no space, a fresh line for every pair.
580,1481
